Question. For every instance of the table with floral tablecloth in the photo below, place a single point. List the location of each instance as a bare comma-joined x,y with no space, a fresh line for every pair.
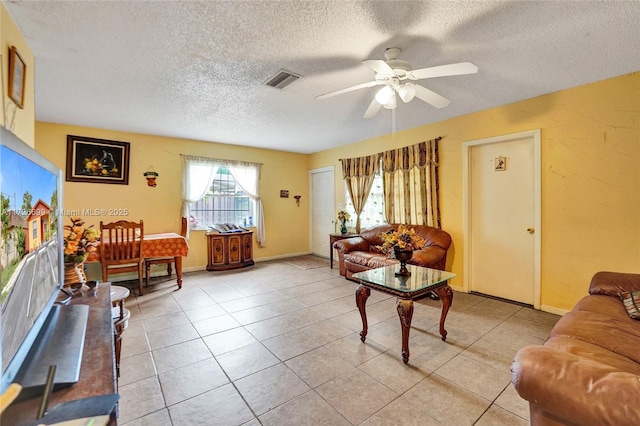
168,244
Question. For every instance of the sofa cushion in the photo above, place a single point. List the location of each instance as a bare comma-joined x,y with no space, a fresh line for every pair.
631,302
601,321
587,350
368,259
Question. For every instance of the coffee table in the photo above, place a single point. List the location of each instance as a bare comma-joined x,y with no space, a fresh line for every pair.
419,284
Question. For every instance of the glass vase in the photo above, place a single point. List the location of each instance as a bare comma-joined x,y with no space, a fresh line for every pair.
343,226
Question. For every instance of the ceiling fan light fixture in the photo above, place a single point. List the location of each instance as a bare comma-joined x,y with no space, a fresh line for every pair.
384,95
393,103
407,92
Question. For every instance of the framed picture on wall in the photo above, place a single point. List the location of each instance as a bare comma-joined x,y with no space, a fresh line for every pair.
97,160
17,72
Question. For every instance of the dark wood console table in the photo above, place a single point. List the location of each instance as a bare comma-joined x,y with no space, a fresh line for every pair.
98,369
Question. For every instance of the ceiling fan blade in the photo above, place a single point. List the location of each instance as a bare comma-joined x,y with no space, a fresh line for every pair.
373,109
431,97
460,68
348,89
379,66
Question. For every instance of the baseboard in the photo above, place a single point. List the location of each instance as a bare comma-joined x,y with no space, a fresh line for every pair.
457,288
554,310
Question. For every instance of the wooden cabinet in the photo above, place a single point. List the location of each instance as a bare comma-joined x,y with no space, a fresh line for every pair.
229,251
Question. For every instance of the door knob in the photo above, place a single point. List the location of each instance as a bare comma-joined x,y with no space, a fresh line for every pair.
531,230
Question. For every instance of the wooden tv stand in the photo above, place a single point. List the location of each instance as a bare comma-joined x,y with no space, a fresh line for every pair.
98,369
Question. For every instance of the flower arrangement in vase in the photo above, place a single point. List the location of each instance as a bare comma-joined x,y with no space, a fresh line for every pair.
343,217
79,242
400,244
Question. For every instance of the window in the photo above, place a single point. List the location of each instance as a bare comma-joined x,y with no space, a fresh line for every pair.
224,202
35,229
373,212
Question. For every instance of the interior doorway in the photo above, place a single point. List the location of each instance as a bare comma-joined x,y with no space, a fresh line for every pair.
502,216
322,209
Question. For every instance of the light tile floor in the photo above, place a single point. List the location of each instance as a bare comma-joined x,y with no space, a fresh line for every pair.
277,345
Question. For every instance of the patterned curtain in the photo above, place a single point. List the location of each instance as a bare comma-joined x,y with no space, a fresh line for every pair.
359,174
411,192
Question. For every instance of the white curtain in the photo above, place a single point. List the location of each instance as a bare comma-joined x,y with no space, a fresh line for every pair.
247,175
197,175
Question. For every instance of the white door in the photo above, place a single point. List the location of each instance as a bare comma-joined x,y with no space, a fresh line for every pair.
322,210
503,217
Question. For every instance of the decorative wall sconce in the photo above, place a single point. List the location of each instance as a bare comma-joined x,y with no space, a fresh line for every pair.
297,197
151,176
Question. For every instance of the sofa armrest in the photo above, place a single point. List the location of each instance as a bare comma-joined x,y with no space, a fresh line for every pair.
351,244
430,257
612,283
348,245
575,389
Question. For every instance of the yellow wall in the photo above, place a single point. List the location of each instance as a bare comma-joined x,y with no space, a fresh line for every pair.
287,226
590,178
19,121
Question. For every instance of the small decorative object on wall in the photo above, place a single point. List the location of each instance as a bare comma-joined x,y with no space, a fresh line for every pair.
151,176
500,164
297,197
284,193
97,160
17,71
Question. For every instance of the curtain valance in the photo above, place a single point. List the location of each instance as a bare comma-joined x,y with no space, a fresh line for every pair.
361,166
419,155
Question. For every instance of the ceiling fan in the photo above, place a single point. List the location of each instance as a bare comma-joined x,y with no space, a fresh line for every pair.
397,77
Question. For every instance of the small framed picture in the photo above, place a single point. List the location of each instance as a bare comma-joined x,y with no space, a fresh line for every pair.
17,72
500,164
284,193
97,160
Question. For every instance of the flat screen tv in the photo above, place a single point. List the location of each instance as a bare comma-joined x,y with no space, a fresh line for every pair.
31,249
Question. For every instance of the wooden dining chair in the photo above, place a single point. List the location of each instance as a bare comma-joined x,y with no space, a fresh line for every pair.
169,261
121,249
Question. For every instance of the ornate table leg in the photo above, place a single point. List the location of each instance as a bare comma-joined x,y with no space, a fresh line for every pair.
178,260
362,294
446,297
405,312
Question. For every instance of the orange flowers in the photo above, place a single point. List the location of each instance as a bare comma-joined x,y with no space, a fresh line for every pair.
79,241
404,238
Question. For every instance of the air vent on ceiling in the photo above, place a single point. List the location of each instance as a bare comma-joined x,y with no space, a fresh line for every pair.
282,79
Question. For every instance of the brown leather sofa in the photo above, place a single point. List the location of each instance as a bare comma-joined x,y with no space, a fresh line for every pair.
588,371
360,253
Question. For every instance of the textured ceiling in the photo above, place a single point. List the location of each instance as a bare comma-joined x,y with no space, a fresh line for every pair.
196,70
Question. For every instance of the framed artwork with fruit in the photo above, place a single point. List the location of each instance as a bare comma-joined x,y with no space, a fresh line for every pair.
97,160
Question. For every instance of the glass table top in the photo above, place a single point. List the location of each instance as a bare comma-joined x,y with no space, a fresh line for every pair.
420,280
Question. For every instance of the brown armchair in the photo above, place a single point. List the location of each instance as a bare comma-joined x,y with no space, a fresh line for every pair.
360,253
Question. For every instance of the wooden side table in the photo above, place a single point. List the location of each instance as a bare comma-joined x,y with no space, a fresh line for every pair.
332,239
